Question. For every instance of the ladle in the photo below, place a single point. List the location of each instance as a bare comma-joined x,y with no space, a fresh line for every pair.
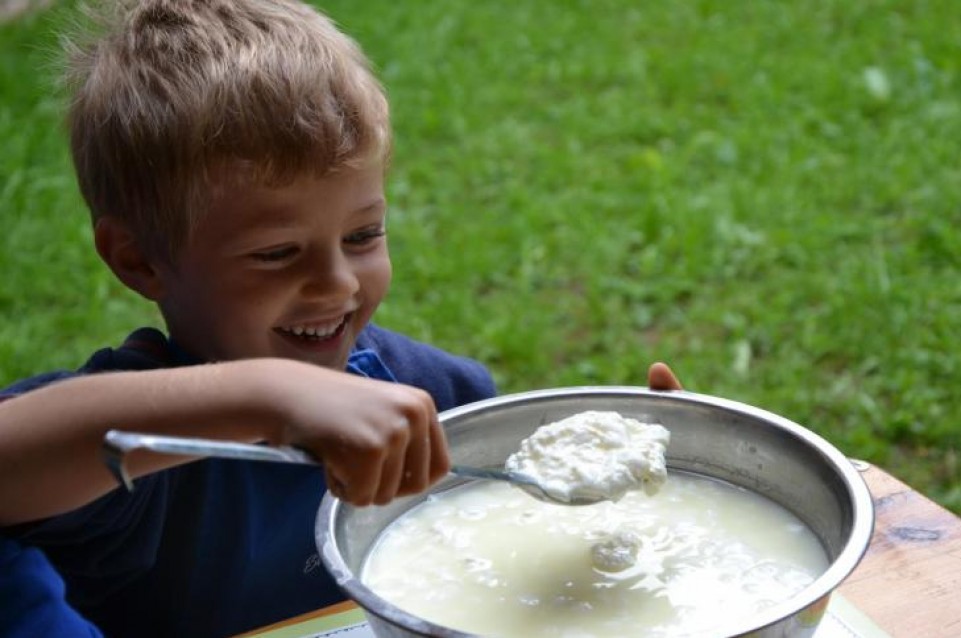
118,443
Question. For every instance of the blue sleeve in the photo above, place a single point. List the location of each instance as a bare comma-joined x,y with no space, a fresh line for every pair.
32,601
451,380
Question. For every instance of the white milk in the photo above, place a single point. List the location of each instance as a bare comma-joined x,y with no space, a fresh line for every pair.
595,455
489,559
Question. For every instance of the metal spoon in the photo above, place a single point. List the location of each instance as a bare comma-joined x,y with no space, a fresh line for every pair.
518,479
117,444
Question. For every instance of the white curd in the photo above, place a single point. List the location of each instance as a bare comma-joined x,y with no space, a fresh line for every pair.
595,455
491,560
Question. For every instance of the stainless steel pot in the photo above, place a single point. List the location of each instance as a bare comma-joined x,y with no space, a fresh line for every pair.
724,439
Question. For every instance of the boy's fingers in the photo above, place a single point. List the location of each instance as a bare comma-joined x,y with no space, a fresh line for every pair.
416,464
661,377
394,466
439,464
391,478
334,485
360,477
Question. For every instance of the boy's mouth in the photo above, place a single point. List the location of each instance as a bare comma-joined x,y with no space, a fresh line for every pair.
315,331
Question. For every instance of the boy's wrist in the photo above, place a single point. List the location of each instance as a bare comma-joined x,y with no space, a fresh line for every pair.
260,389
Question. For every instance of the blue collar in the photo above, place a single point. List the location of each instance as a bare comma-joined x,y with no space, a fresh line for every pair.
367,363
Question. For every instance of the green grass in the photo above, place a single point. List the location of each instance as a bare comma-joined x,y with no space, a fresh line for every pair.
767,195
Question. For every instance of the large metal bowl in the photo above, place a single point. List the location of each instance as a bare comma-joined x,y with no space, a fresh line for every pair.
710,436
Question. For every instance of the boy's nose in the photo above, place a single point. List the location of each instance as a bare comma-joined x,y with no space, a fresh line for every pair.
331,275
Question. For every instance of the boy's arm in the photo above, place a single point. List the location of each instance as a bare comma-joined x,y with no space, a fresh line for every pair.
377,440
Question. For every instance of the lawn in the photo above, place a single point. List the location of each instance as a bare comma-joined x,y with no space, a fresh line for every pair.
766,195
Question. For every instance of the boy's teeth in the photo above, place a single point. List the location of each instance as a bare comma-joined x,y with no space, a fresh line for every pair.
313,331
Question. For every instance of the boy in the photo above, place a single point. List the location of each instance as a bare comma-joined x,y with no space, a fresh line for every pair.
232,154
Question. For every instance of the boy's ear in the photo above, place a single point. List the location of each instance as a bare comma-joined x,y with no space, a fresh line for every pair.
119,249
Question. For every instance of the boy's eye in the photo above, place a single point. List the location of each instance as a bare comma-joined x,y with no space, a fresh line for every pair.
275,254
365,235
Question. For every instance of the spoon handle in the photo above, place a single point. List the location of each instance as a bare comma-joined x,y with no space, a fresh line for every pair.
523,481
117,444
480,473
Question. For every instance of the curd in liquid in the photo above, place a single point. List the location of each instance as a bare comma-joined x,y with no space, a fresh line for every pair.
488,559
595,455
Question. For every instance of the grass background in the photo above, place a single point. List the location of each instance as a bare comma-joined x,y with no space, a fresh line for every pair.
766,195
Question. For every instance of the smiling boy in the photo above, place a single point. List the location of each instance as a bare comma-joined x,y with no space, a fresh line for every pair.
232,154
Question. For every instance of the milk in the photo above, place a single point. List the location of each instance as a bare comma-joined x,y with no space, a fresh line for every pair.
489,559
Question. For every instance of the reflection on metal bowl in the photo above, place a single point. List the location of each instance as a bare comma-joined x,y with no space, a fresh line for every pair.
710,436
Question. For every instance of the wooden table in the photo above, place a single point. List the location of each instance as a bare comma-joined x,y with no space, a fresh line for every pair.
909,581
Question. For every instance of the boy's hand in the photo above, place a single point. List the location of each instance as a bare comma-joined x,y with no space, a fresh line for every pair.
660,377
377,440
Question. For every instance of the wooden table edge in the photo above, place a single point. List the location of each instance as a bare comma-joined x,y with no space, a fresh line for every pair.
908,581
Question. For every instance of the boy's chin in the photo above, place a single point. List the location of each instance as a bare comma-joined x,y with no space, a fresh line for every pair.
334,362
328,353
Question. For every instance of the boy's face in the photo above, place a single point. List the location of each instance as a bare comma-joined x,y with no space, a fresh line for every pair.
293,272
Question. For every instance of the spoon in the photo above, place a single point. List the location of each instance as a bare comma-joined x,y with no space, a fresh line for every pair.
525,482
118,443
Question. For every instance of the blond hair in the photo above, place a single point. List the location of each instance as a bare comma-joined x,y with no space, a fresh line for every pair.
171,95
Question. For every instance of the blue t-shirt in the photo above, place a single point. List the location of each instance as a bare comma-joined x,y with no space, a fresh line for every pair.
217,547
